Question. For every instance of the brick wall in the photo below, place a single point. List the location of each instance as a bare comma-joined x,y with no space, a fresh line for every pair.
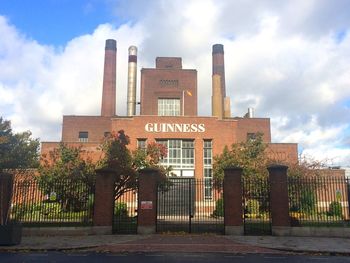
253,125
286,153
154,86
96,126
168,62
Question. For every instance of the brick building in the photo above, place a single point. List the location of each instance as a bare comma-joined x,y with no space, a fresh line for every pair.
168,115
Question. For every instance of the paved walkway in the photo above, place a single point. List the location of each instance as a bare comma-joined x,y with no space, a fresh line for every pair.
185,243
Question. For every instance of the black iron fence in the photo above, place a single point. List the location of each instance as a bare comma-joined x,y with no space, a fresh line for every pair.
256,205
60,203
125,213
190,205
319,201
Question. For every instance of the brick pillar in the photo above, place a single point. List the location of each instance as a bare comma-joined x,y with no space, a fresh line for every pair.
104,200
6,187
147,201
279,203
233,201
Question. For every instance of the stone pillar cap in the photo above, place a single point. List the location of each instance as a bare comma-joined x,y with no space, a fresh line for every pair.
277,167
233,168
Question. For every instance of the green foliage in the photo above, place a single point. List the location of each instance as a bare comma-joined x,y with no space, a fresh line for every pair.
253,206
127,164
121,210
69,177
17,150
307,201
219,208
46,209
46,212
249,155
335,209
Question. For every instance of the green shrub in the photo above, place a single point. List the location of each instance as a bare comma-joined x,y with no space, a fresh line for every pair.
91,202
253,206
307,201
335,209
121,210
50,209
219,207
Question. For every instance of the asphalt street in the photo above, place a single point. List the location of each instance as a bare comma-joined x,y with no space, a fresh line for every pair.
164,257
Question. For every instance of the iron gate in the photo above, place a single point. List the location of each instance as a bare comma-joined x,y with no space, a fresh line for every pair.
256,205
190,205
125,213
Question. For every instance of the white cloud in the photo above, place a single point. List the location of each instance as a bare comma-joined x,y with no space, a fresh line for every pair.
285,59
39,84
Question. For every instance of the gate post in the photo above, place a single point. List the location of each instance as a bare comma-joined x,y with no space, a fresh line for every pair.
104,200
147,202
6,187
233,212
279,202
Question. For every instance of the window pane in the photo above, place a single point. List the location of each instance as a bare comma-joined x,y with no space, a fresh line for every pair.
83,136
141,144
169,107
208,171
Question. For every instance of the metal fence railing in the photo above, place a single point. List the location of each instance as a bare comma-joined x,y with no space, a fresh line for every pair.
190,205
60,203
319,201
256,206
125,213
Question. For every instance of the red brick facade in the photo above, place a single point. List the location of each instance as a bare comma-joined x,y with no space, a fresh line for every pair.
221,132
168,80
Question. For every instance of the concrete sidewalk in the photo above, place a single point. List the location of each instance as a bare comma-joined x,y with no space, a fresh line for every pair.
184,243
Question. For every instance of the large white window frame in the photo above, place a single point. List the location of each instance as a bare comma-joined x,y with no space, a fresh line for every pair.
180,153
169,107
208,168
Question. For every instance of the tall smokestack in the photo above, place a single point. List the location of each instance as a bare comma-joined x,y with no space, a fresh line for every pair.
227,107
219,65
216,99
132,73
109,79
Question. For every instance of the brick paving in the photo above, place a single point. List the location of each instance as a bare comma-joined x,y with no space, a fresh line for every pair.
184,243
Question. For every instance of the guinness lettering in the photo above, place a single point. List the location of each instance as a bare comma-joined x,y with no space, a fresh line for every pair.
174,127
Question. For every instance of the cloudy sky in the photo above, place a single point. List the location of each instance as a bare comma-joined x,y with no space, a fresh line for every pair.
287,59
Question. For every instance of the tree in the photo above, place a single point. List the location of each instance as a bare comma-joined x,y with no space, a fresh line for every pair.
17,150
69,176
127,164
253,158
249,155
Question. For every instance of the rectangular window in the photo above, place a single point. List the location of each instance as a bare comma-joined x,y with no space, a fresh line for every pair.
180,153
251,136
208,168
168,107
83,136
141,144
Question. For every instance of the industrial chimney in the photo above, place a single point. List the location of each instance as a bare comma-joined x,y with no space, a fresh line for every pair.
219,69
227,107
219,65
216,99
109,79
132,73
